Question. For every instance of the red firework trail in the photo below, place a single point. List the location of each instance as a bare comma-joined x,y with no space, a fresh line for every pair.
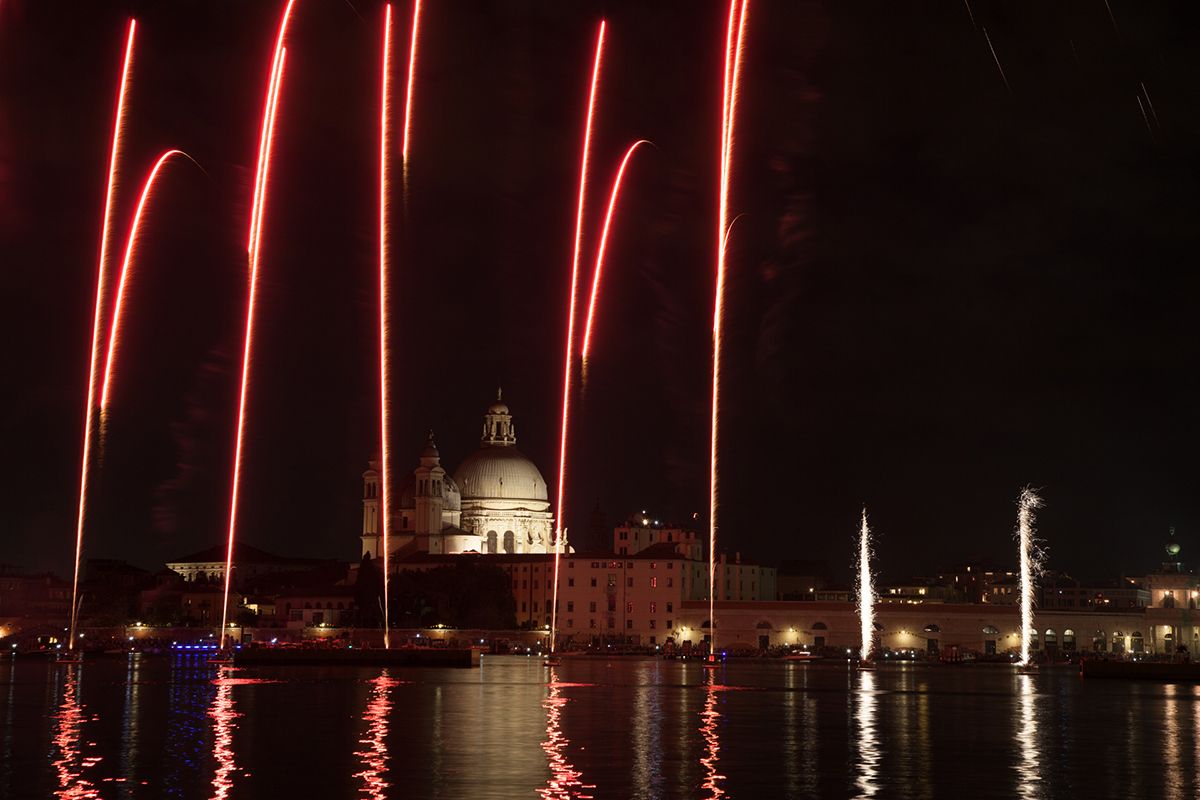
572,300
734,38
114,334
608,217
101,283
412,71
384,421
253,247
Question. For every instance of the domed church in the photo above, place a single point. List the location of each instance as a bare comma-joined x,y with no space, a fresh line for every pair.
496,502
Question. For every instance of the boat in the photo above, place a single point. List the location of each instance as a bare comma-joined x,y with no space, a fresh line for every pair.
866,665
802,655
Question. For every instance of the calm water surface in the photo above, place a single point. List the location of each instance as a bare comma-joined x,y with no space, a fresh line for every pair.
157,728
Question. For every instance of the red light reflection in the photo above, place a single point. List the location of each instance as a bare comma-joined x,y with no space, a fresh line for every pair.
71,763
374,754
712,742
224,716
565,780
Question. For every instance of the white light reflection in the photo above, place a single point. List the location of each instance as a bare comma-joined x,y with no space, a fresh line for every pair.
1029,776
1173,775
867,781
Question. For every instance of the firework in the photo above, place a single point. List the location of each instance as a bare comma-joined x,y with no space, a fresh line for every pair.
253,248
1031,563
734,38
996,58
608,217
106,232
384,420
412,71
866,590
568,358
114,334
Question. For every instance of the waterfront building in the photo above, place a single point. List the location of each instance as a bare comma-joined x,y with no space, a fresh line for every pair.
249,564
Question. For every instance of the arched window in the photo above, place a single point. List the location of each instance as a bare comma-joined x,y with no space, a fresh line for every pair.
933,627
510,542
1068,642
491,546
1136,642
763,625
1118,642
1168,600
991,630
1099,642
820,626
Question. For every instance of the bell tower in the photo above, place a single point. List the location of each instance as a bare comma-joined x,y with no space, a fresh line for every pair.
370,523
430,497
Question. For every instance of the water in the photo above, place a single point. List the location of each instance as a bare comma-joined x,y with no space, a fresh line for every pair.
153,728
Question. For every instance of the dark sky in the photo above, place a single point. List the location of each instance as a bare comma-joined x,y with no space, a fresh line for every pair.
941,290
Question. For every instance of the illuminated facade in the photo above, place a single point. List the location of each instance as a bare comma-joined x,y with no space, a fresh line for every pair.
496,501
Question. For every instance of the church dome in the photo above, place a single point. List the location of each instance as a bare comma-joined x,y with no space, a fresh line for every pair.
500,473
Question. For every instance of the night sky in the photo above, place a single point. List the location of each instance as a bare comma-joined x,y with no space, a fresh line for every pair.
941,290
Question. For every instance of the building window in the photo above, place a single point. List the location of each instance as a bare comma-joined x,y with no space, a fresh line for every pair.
591,623
629,608
593,583
592,606
654,608
570,581
670,607
670,624
570,605
628,624
570,623
652,625
611,623
670,582
629,582
653,565
654,583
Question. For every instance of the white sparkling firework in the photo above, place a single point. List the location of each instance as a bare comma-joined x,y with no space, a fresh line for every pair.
1031,562
865,585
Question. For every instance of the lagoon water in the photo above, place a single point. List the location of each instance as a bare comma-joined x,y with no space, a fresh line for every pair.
162,727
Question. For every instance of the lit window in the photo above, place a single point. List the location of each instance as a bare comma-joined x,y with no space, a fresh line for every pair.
654,583
654,608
